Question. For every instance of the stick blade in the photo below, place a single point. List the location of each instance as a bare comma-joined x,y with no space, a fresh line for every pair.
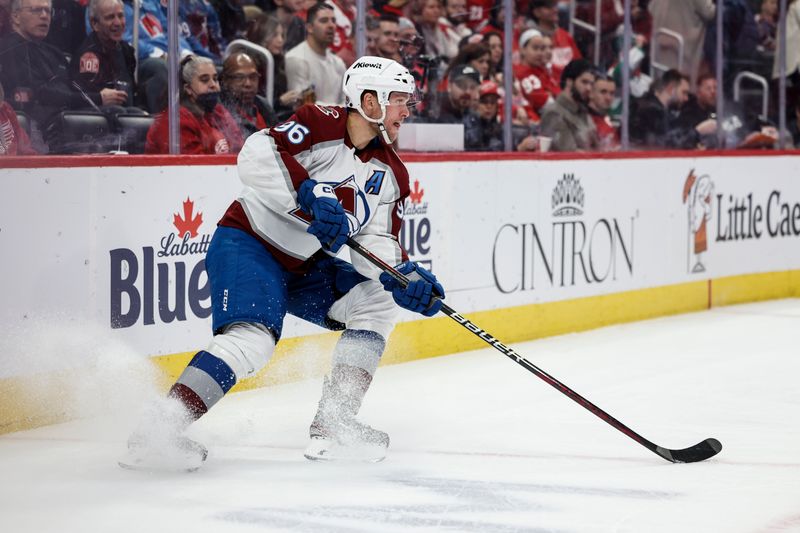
693,454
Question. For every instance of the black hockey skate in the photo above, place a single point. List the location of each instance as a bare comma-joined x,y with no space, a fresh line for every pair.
335,433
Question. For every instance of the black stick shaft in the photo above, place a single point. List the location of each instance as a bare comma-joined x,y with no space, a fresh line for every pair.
670,455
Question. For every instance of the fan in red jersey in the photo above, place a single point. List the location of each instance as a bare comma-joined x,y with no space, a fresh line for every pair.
534,79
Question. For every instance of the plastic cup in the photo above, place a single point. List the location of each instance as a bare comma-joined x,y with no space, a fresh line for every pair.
544,143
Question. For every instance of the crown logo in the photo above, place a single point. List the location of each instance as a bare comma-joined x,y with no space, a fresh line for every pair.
568,197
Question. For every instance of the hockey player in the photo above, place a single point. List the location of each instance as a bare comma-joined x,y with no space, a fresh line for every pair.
309,183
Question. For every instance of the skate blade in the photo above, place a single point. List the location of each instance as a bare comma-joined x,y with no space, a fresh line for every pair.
326,450
172,461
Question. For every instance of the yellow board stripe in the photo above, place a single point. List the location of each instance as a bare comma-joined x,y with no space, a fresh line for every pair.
33,401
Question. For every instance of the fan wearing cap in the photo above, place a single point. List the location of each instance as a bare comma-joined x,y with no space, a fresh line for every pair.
544,14
567,121
531,74
457,105
461,95
491,129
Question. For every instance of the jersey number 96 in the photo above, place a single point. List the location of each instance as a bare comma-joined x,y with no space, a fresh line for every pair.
294,132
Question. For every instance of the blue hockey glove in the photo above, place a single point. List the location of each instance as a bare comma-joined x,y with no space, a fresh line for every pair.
419,295
329,223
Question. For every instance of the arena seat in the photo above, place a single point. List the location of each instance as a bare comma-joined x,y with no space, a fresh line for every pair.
84,132
133,130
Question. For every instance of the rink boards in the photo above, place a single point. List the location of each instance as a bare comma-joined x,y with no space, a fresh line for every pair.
526,247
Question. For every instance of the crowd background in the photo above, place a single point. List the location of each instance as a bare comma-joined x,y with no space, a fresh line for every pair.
80,76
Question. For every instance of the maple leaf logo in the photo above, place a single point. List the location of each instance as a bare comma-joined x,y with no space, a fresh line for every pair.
416,194
187,223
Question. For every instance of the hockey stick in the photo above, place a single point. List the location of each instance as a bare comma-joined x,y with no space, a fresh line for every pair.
699,452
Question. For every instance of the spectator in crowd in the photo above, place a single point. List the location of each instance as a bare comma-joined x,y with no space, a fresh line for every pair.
152,31
456,17
389,38
311,65
232,18
641,21
344,44
636,61
267,31
535,82
456,106
767,22
739,41
739,126
206,127
702,105
152,52
104,63
287,13
463,83
544,14
412,48
240,78
68,25
792,53
600,102
453,25
14,139
373,29
566,121
478,14
491,128
494,41
411,42
688,18
201,28
35,74
652,124
612,20
495,18
475,55
426,15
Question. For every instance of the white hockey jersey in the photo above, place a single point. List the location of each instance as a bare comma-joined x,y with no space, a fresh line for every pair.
371,185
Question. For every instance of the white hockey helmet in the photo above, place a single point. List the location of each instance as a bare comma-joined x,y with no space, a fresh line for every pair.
379,74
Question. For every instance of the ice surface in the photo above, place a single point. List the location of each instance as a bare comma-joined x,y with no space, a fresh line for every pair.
478,444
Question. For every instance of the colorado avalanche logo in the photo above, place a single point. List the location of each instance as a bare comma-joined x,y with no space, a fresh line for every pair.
352,199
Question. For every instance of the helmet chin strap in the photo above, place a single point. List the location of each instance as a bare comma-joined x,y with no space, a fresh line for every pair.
384,133
379,122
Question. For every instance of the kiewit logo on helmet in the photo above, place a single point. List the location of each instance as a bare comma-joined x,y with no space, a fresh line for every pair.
367,65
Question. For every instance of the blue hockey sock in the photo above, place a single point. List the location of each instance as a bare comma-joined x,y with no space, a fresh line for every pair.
203,383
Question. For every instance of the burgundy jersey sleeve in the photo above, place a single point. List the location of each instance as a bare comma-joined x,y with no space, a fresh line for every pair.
310,125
